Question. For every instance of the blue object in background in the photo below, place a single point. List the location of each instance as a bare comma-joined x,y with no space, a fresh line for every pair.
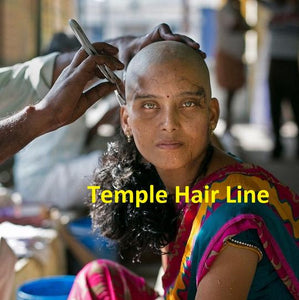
96,33
101,247
208,30
48,288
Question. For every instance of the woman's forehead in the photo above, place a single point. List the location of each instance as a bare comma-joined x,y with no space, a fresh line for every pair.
157,79
166,53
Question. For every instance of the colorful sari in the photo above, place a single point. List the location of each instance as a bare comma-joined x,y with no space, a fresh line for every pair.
204,230
107,280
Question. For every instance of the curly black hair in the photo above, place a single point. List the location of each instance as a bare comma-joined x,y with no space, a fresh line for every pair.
152,225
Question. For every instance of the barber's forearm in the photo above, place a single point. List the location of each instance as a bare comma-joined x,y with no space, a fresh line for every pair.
20,129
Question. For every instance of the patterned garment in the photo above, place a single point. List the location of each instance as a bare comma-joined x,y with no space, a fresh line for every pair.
107,280
204,230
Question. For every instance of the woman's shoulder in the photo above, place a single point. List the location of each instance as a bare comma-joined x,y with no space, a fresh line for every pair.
231,170
245,188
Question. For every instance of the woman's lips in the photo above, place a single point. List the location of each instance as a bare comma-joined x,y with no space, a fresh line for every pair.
169,145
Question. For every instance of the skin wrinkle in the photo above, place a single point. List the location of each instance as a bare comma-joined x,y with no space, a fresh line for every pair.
138,85
200,90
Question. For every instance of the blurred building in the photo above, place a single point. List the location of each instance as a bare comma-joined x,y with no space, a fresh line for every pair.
26,26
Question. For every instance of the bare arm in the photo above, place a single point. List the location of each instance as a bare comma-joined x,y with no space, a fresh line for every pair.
230,276
64,103
18,130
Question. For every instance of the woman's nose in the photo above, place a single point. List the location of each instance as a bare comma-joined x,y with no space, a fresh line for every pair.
170,120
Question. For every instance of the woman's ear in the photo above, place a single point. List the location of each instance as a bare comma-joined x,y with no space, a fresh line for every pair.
124,119
214,113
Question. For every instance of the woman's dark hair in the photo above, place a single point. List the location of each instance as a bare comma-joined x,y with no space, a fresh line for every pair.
152,225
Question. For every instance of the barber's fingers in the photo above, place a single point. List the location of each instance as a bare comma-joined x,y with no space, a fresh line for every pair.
102,48
91,96
163,32
184,39
88,68
97,92
110,61
166,34
105,48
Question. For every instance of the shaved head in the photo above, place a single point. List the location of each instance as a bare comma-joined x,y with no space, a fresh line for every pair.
173,56
169,112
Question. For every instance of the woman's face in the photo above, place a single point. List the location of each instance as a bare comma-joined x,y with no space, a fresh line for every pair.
169,115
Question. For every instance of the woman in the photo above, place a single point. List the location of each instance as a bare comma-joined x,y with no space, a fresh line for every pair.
212,249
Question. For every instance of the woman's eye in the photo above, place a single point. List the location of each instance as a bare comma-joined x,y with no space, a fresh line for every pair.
189,103
149,105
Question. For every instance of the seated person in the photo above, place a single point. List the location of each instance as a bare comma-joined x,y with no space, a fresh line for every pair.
227,229
53,170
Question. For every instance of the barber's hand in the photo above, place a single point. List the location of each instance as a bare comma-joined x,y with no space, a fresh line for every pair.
129,46
66,100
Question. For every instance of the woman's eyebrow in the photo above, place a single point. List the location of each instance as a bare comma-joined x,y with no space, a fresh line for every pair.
140,96
199,93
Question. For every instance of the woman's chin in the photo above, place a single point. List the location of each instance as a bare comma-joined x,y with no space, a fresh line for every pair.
169,166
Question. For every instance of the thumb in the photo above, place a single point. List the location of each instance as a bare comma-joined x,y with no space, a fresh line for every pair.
91,96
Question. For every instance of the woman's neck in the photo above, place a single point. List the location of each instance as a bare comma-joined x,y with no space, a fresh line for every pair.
187,175
177,178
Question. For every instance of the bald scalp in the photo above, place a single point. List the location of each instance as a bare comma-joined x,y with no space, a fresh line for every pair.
165,53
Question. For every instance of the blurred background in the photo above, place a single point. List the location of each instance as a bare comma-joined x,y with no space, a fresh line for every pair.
27,29
31,28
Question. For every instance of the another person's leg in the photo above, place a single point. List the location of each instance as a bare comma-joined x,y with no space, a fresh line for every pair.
292,90
276,95
229,99
104,279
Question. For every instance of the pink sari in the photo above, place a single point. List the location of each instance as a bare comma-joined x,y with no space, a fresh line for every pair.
107,280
